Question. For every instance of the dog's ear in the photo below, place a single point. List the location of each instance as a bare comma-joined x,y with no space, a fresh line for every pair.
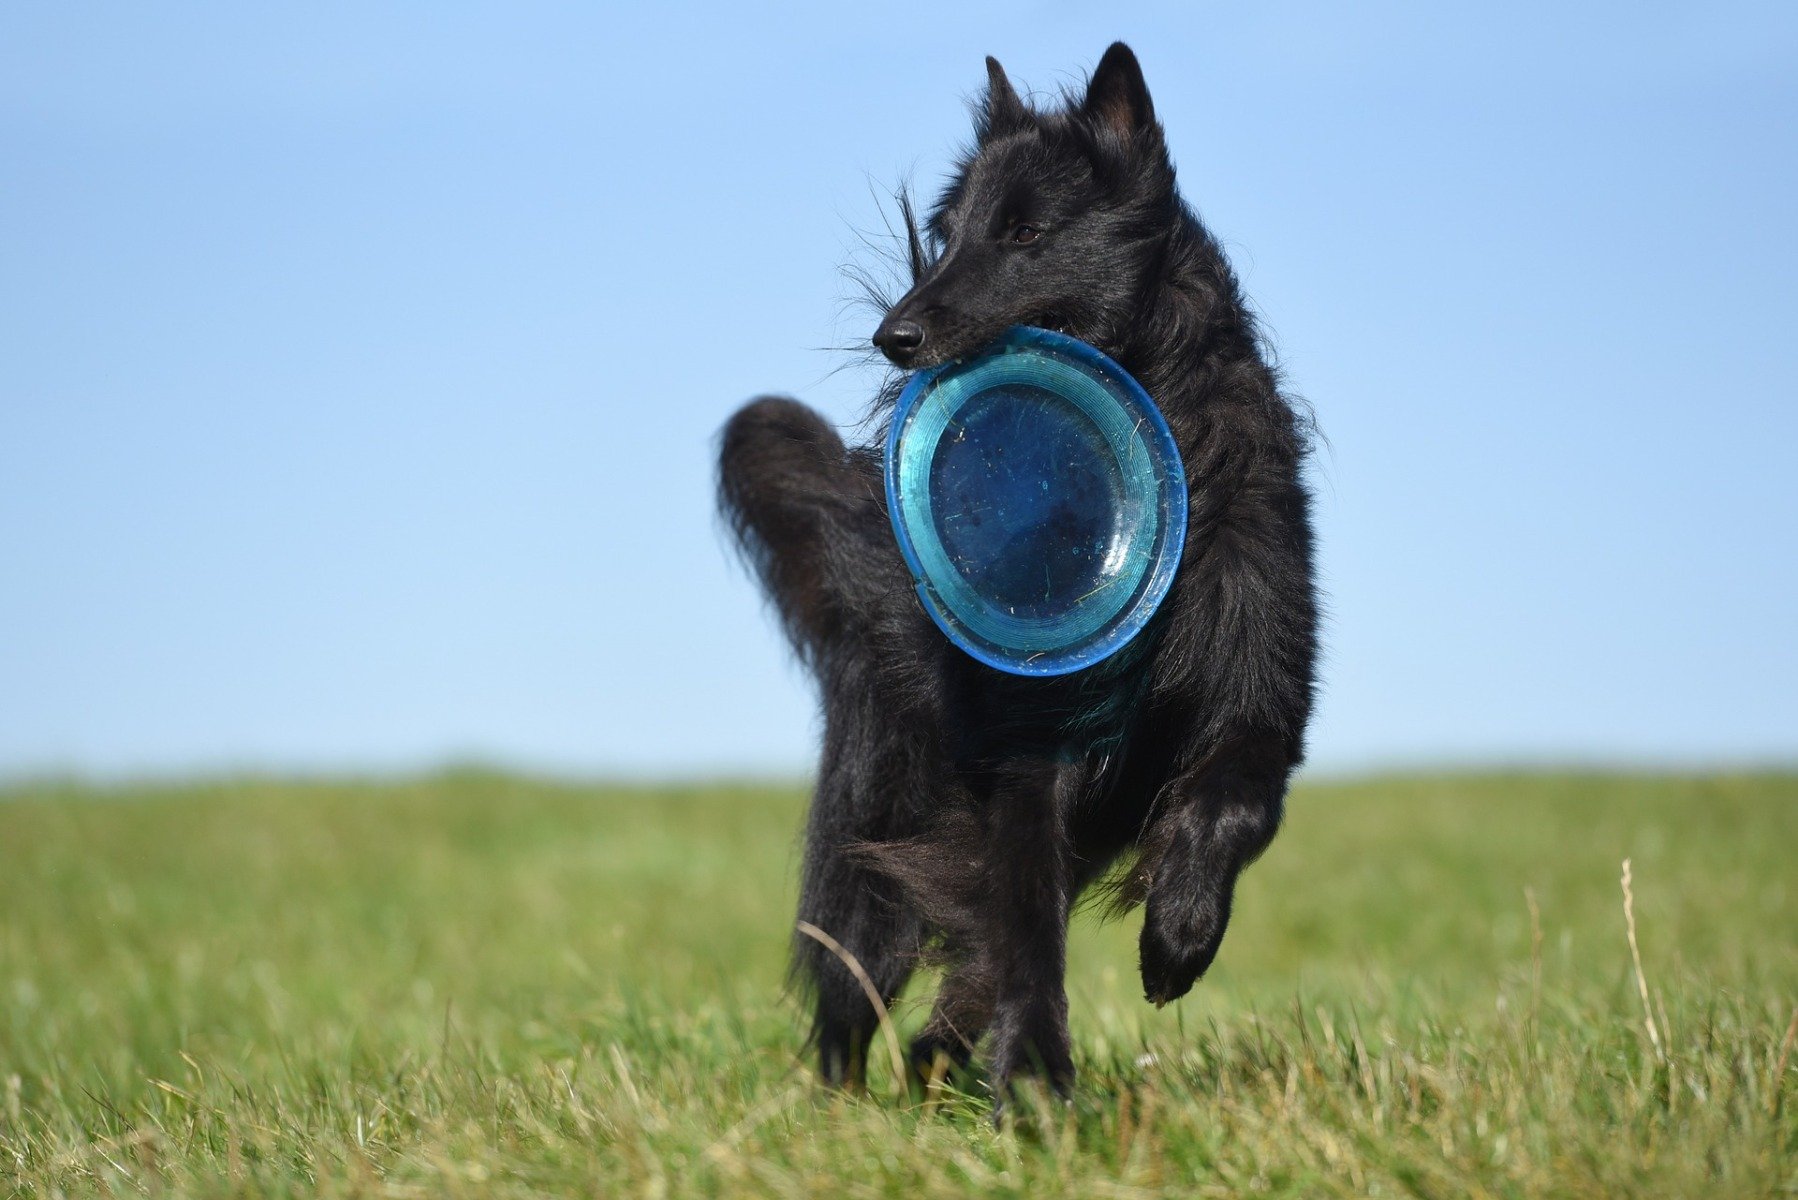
1003,112
1116,96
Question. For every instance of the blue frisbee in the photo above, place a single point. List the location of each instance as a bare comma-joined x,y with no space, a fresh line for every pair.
1039,502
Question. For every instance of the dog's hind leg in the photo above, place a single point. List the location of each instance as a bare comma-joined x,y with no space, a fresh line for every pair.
958,1020
870,788
809,515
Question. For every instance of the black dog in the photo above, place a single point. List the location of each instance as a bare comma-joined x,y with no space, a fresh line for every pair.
960,811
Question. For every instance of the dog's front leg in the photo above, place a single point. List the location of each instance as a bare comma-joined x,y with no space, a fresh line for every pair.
1212,821
1026,944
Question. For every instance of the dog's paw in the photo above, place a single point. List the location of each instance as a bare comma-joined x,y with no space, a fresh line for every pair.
1176,952
1031,1048
1032,1098
935,1058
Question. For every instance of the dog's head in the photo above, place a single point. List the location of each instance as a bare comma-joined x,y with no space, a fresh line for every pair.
1056,219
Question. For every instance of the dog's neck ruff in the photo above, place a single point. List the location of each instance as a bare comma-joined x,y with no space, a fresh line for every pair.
1039,500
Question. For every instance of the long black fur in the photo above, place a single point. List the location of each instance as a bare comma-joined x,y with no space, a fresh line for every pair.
959,810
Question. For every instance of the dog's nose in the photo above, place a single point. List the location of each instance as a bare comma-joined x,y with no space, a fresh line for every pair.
899,340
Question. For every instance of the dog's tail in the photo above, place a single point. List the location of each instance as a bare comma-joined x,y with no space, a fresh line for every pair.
788,489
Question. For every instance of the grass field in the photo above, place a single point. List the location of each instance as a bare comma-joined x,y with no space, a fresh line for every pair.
477,985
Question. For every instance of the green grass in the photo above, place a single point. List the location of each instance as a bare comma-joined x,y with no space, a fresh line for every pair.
475,985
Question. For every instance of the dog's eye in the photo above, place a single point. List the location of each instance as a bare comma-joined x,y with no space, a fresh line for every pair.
1023,235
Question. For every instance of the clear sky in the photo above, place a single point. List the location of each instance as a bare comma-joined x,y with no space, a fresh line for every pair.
360,364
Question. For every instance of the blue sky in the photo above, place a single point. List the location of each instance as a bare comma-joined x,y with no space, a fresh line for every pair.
359,364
